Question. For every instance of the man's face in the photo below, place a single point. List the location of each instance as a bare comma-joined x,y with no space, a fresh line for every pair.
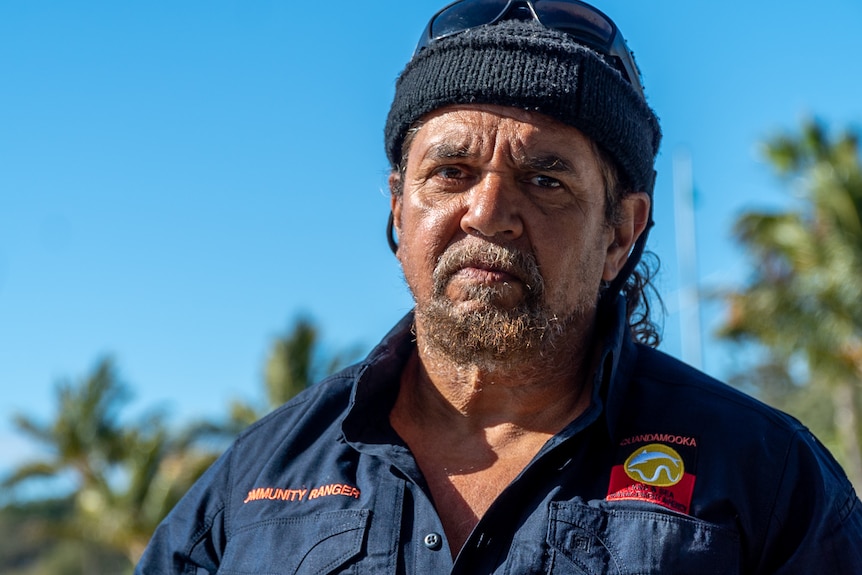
502,231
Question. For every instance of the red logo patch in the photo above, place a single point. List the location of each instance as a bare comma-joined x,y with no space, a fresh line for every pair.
655,472
676,497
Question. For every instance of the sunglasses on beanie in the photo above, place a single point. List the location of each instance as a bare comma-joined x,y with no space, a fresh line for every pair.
586,24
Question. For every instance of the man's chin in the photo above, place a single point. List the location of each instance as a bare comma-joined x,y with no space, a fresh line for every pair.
490,309
478,331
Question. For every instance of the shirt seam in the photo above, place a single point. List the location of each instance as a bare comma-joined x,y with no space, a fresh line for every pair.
773,518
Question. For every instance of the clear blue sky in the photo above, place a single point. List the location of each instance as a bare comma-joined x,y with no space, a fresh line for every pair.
179,180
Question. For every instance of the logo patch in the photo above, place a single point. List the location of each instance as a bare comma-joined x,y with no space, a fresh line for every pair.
655,472
655,464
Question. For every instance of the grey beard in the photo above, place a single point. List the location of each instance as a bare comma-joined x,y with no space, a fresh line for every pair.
490,335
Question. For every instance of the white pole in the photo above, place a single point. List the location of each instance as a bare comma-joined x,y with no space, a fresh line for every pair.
686,249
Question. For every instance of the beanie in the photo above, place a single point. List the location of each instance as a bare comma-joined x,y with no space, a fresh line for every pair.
525,65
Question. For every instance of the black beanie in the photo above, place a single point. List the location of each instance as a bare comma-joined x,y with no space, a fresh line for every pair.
526,65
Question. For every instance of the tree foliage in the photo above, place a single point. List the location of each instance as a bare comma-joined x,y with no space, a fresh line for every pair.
118,478
296,361
802,301
124,476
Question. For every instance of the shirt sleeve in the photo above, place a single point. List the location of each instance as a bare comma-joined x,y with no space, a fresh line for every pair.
191,539
816,525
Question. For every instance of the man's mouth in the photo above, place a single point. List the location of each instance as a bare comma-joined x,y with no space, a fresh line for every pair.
486,274
466,269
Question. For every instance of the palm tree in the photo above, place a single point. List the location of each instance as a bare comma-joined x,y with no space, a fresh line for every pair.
160,465
85,437
803,299
126,477
296,361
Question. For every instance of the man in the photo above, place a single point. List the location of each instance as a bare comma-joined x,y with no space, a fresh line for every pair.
512,424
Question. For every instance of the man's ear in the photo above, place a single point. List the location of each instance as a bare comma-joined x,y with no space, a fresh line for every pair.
633,220
395,195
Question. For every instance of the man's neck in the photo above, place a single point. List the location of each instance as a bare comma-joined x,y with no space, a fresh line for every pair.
544,394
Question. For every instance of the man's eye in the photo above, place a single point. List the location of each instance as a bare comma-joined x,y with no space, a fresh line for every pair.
449,172
545,182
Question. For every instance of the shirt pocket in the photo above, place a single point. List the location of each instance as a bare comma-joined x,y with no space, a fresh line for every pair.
318,544
613,539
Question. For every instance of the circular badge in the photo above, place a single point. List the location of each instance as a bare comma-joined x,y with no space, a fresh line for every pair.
655,464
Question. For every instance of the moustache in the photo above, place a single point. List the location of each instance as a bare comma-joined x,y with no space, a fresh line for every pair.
518,263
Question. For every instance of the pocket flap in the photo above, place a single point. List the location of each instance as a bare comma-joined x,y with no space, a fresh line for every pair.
610,538
314,544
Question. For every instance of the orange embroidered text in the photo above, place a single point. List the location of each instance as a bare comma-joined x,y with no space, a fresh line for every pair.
334,489
275,493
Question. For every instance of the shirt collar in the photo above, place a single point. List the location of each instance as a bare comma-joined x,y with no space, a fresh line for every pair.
617,363
366,423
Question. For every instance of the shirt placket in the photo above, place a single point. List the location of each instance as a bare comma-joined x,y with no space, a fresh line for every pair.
428,549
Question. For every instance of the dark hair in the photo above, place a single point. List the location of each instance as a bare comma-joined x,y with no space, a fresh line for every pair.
641,295
639,292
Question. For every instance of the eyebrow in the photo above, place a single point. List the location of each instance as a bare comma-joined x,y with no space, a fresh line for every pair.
546,163
445,150
551,163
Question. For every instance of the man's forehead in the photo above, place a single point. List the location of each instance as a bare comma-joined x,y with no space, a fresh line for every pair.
515,114
465,129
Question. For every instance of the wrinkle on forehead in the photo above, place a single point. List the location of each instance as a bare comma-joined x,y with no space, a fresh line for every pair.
469,128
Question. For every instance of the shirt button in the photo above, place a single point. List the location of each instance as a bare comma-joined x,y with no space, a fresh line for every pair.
433,541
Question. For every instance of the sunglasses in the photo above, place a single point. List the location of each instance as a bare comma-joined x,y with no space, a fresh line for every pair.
584,23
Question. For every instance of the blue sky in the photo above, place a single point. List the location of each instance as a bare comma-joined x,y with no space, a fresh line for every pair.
179,180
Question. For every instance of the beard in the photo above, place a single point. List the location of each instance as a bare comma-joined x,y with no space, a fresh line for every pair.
487,333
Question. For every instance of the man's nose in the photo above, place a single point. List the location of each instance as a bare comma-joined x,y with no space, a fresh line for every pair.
492,209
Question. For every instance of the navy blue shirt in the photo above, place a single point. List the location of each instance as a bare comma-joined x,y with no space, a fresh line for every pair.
668,471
